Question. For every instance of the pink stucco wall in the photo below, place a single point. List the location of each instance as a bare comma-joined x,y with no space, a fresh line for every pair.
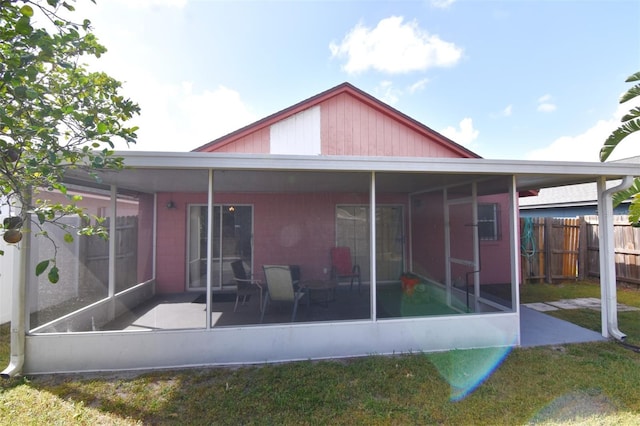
428,238
495,256
145,237
294,229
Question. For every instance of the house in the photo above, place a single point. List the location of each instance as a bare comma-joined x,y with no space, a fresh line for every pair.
567,201
570,200
340,169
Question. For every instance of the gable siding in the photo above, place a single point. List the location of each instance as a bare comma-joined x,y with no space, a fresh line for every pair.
254,143
298,134
349,127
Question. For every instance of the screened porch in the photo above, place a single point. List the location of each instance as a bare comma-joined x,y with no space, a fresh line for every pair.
425,244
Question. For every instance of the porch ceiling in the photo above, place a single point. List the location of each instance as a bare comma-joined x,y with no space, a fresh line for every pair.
188,172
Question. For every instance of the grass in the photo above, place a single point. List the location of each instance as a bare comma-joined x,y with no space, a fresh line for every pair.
594,383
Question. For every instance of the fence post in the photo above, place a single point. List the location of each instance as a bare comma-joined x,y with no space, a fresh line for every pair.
583,249
548,267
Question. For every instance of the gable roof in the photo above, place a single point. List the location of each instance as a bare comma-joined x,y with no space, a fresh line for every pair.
360,95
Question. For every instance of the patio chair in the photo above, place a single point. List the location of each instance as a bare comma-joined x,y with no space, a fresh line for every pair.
244,283
280,288
342,267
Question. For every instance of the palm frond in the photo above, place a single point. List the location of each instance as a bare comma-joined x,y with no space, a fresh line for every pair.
631,192
633,77
634,211
633,113
617,136
630,94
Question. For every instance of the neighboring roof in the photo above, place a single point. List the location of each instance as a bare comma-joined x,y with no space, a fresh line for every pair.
335,91
584,194
564,196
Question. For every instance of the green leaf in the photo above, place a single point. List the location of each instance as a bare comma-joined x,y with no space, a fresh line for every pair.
617,136
68,238
634,211
26,10
622,196
23,26
41,267
54,275
635,112
630,94
633,77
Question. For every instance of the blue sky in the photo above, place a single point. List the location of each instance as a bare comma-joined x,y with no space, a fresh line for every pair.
507,79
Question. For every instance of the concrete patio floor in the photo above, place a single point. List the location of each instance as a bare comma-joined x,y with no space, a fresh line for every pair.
539,329
182,311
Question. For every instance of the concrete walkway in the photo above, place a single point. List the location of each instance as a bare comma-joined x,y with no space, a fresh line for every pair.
538,329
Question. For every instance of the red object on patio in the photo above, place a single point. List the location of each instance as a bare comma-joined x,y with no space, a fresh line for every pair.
343,267
408,284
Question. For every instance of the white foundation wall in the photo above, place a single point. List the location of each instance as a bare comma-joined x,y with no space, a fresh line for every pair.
111,351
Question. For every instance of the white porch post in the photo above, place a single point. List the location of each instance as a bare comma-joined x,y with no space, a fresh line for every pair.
372,246
608,289
112,240
447,245
514,229
154,249
476,246
209,246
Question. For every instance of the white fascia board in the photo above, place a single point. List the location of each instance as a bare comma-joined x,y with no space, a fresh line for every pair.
220,161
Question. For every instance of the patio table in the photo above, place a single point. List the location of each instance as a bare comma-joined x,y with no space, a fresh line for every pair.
328,286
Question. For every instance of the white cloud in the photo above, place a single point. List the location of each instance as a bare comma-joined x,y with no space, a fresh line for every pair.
442,4
174,117
387,93
418,85
394,47
547,107
586,146
506,112
465,135
545,104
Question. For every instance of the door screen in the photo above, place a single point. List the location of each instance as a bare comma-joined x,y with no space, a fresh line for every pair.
232,240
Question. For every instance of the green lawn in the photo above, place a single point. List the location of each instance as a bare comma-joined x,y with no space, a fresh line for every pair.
574,384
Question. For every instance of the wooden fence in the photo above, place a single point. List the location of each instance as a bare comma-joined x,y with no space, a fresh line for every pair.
568,249
94,257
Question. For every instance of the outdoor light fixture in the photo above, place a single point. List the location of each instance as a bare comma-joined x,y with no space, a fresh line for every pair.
171,205
232,209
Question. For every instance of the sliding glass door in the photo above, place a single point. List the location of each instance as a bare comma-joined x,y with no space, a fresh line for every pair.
232,240
352,223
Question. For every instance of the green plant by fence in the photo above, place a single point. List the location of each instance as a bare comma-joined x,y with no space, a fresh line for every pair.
560,249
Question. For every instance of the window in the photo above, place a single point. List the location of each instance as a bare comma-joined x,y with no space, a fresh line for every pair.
488,222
